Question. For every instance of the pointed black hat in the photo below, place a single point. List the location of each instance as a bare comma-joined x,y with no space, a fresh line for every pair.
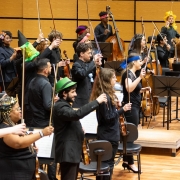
21,39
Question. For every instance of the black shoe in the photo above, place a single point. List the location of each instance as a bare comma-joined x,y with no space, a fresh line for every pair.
130,169
125,165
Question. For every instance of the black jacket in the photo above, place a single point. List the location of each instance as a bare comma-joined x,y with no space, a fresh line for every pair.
163,55
7,66
108,121
80,71
40,99
68,131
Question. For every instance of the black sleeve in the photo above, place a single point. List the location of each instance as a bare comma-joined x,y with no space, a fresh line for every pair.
79,72
69,114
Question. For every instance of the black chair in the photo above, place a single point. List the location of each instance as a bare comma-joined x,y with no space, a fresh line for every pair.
163,103
131,148
99,150
43,175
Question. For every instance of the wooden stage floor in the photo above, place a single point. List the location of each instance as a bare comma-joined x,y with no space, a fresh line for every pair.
156,163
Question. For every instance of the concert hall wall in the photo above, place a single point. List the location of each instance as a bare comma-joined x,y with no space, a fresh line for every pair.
68,14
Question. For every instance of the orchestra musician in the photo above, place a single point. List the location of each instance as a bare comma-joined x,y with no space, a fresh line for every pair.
170,29
17,161
107,113
132,85
69,134
103,30
163,50
82,73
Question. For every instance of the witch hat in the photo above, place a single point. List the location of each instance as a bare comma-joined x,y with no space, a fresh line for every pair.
21,39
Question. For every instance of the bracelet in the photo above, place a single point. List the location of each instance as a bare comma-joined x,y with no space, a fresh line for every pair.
41,134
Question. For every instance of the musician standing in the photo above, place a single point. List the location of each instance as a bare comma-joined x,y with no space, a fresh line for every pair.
170,30
132,85
107,113
69,134
103,30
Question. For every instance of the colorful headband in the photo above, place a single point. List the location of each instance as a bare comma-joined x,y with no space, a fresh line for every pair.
134,58
104,16
80,32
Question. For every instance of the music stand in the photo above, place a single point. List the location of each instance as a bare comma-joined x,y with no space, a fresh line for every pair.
105,47
166,86
174,73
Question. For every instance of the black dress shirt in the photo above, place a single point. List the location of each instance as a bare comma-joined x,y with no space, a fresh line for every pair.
99,32
40,98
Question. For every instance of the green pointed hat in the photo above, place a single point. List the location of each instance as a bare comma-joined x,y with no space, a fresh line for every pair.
63,84
30,51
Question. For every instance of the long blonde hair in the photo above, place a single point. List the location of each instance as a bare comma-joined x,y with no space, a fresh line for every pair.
105,76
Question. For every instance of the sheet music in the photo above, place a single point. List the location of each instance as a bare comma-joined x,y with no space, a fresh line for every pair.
119,96
89,123
44,145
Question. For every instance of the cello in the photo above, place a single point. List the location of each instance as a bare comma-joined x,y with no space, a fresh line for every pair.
118,43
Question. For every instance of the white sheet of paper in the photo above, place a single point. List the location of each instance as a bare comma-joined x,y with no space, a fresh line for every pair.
119,96
89,123
44,145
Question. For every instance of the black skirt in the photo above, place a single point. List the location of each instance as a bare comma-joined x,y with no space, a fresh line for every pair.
19,169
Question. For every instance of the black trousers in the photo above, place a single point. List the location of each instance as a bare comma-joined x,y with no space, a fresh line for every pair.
131,117
110,162
69,171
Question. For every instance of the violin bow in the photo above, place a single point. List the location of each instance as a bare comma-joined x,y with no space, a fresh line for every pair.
23,80
39,22
159,33
127,80
150,47
55,75
99,50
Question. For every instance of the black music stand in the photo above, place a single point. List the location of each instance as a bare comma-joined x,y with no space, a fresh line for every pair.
166,86
105,47
177,74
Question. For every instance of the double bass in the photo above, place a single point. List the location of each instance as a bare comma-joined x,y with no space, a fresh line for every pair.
118,43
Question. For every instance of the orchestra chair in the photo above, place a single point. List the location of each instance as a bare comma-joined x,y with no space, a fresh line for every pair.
99,151
43,175
163,101
131,147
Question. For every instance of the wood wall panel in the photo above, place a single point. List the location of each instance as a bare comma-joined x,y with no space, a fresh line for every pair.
125,28
30,28
67,45
12,25
149,28
155,10
11,8
60,9
120,9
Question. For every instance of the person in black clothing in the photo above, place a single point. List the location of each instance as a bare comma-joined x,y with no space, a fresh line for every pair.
40,94
132,85
107,114
68,132
17,161
163,50
82,73
103,30
170,29
40,101
7,60
53,52
138,45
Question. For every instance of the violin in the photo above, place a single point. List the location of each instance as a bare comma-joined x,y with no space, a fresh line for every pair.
118,43
85,155
67,70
